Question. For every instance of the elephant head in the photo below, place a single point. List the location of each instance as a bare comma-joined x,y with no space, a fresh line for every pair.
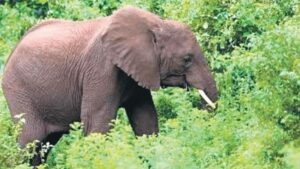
157,53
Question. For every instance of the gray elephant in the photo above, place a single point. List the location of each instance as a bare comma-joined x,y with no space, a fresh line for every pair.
66,71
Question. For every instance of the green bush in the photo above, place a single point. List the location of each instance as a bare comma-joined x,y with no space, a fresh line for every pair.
253,50
222,25
13,23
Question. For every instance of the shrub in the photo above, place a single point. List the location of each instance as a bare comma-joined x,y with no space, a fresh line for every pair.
253,49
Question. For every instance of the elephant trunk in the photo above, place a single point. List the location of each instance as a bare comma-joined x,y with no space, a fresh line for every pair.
201,78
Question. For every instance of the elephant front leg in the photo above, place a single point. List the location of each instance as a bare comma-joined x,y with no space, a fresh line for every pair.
98,120
98,109
141,112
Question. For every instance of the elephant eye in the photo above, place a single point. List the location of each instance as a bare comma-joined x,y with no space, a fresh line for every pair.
188,60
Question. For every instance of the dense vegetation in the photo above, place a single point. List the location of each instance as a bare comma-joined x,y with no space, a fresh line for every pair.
253,48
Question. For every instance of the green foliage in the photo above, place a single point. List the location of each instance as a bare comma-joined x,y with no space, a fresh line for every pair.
155,6
13,24
222,25
253,49
75,10
292,152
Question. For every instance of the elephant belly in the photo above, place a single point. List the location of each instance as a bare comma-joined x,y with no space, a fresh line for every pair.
59,109
60,117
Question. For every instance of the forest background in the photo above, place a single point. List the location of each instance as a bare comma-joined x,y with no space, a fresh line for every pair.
253,49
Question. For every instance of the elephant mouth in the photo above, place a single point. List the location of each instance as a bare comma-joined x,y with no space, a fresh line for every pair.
174,81
181,85
180,81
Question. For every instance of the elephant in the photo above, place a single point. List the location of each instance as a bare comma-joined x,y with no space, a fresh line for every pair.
65,71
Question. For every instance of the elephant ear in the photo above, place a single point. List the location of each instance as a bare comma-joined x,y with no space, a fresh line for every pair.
129,41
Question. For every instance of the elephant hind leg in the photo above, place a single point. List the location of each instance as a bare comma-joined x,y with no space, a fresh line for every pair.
33,130
44,133
19,102
39,130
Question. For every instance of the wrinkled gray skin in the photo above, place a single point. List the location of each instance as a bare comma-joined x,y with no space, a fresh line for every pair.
65,71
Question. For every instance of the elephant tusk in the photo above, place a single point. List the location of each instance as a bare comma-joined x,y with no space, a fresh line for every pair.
205,97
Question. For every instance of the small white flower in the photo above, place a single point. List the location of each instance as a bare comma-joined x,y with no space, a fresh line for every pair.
205,25
18,116
23,121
